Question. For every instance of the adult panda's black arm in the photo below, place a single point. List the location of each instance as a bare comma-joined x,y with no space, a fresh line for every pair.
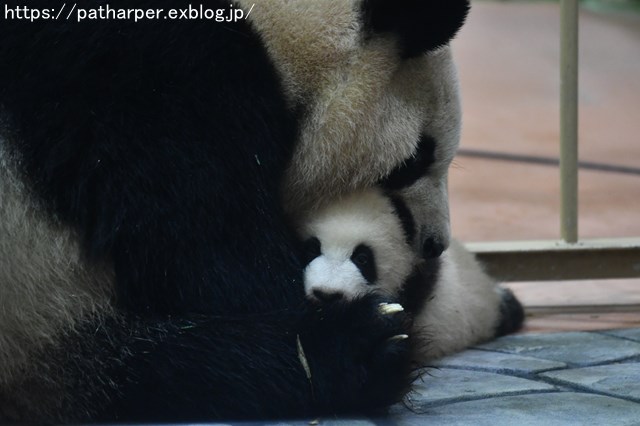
162,143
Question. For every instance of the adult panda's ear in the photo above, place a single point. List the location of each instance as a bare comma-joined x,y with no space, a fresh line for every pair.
420,25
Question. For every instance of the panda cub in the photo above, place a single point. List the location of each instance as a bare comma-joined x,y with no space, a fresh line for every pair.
362,244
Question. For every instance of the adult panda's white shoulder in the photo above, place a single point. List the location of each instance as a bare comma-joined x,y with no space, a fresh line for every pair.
361,244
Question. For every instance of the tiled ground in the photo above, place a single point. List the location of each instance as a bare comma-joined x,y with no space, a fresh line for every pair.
539,379
574,378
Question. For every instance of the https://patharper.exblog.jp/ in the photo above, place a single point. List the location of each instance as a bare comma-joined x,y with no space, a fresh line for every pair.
71,12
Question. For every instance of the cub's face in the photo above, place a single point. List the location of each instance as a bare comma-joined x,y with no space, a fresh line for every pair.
354,246
339,272
371,80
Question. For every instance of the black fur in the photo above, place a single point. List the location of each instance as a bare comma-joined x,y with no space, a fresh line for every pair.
324,296
365,260
414,167
199,367
311,249
419,286
511,314
261,356
432,248
137,146
405,216
163,144
421,25
406,175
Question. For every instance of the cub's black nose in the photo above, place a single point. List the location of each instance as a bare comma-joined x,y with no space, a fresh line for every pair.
327,296
432,249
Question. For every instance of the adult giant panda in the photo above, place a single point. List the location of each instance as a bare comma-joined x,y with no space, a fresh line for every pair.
149,174
362,244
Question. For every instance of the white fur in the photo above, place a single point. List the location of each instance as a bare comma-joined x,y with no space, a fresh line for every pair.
363,217
325,273
464,307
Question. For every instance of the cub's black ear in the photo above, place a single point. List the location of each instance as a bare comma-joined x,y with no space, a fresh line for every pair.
421,25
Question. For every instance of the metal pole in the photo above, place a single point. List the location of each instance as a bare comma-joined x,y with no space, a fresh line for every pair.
569,120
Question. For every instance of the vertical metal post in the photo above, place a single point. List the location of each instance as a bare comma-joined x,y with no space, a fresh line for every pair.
569,120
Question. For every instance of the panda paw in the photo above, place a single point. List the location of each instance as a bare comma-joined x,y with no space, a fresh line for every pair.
359,354
511,313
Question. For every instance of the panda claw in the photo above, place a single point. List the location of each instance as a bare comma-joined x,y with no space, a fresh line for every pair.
399,337
390,308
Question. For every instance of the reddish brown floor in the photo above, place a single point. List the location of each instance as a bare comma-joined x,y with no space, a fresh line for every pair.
508,58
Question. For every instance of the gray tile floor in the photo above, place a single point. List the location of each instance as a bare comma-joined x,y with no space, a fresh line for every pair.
572,378
534,379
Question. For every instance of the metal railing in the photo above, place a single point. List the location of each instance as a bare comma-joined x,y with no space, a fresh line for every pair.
568,258
569,120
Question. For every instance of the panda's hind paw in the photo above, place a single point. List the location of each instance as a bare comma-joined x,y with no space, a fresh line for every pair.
511,313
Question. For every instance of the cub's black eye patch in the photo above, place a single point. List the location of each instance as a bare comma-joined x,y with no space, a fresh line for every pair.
311,249
413,168
365,261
